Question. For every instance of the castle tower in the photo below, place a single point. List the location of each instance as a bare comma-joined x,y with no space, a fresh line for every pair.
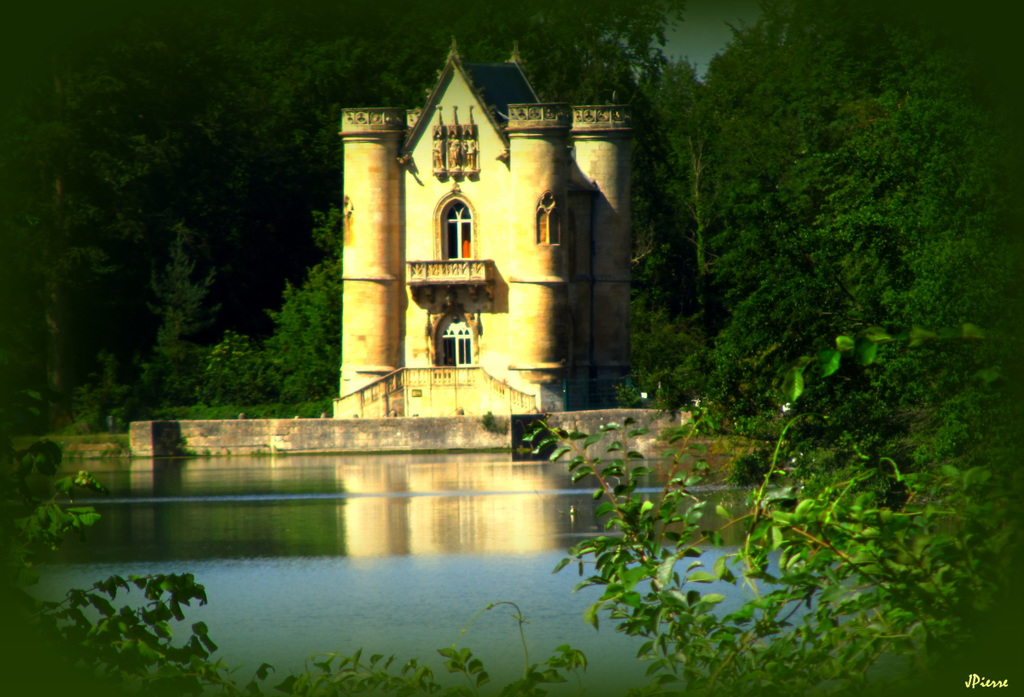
372,262
602,137
538,237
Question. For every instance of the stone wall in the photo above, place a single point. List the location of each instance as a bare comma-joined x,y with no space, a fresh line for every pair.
249,436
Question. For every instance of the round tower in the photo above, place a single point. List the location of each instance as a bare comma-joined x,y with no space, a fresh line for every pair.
538,236
371,263
602,138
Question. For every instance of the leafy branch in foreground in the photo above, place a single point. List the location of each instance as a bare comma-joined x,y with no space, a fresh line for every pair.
863,348
30,521
838,594
381,675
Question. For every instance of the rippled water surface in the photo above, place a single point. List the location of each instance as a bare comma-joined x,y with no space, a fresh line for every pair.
393,553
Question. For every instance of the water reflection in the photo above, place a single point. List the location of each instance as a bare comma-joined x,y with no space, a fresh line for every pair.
358,506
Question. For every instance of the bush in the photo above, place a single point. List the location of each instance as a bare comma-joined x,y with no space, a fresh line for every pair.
102,396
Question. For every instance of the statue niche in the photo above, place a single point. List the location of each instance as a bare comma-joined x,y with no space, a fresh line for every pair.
455,150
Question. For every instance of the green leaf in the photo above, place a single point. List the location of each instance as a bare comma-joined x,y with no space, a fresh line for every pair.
877,335
844,344
700,577
804,507
829,362
87,516
559,451
918,336
722,571
664,572
865,351
972,331
793,384
590,614
560,565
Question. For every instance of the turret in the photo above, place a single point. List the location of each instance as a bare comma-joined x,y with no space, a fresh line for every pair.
538,233
372,261
602,139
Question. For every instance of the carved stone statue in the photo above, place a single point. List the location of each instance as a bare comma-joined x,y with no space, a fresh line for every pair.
472,152
454,154
438,150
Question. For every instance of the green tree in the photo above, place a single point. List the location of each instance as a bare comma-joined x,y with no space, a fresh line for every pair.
306,345
175,371
858,178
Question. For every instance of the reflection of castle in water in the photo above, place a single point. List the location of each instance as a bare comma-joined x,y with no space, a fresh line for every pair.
452,507
389,505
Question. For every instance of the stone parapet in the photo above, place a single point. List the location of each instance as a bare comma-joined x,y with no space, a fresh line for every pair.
410,434
361,121
593,119
538,117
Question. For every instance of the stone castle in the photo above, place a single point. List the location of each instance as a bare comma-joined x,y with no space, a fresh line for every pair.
486,249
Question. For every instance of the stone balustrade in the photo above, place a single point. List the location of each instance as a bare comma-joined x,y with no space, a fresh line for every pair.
474,273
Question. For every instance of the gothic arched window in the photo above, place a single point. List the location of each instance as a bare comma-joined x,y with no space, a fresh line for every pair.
549,228
458,232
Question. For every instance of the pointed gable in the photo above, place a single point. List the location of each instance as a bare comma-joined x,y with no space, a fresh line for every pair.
495,85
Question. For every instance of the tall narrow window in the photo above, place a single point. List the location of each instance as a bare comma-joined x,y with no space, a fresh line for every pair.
459,232
457,344
549,229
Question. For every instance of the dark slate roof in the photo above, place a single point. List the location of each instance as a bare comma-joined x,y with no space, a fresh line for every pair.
502,84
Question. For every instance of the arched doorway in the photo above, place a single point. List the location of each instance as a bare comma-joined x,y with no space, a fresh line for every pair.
456,343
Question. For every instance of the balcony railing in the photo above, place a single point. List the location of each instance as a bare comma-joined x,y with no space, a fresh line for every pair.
429,275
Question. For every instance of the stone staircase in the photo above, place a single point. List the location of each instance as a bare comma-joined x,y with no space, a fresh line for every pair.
436,391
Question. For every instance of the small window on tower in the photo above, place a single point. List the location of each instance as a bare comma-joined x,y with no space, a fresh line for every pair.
549,229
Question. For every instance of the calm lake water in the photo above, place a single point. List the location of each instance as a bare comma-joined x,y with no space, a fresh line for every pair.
302,555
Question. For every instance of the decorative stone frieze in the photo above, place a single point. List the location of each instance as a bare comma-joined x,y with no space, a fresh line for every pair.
457,270
601,118
375,119
529,117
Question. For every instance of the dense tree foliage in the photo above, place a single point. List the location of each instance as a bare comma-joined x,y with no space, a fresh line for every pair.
842,170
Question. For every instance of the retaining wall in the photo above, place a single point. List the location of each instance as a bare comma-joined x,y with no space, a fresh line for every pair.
252,436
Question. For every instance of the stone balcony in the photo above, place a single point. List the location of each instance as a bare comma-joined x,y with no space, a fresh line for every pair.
425,277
